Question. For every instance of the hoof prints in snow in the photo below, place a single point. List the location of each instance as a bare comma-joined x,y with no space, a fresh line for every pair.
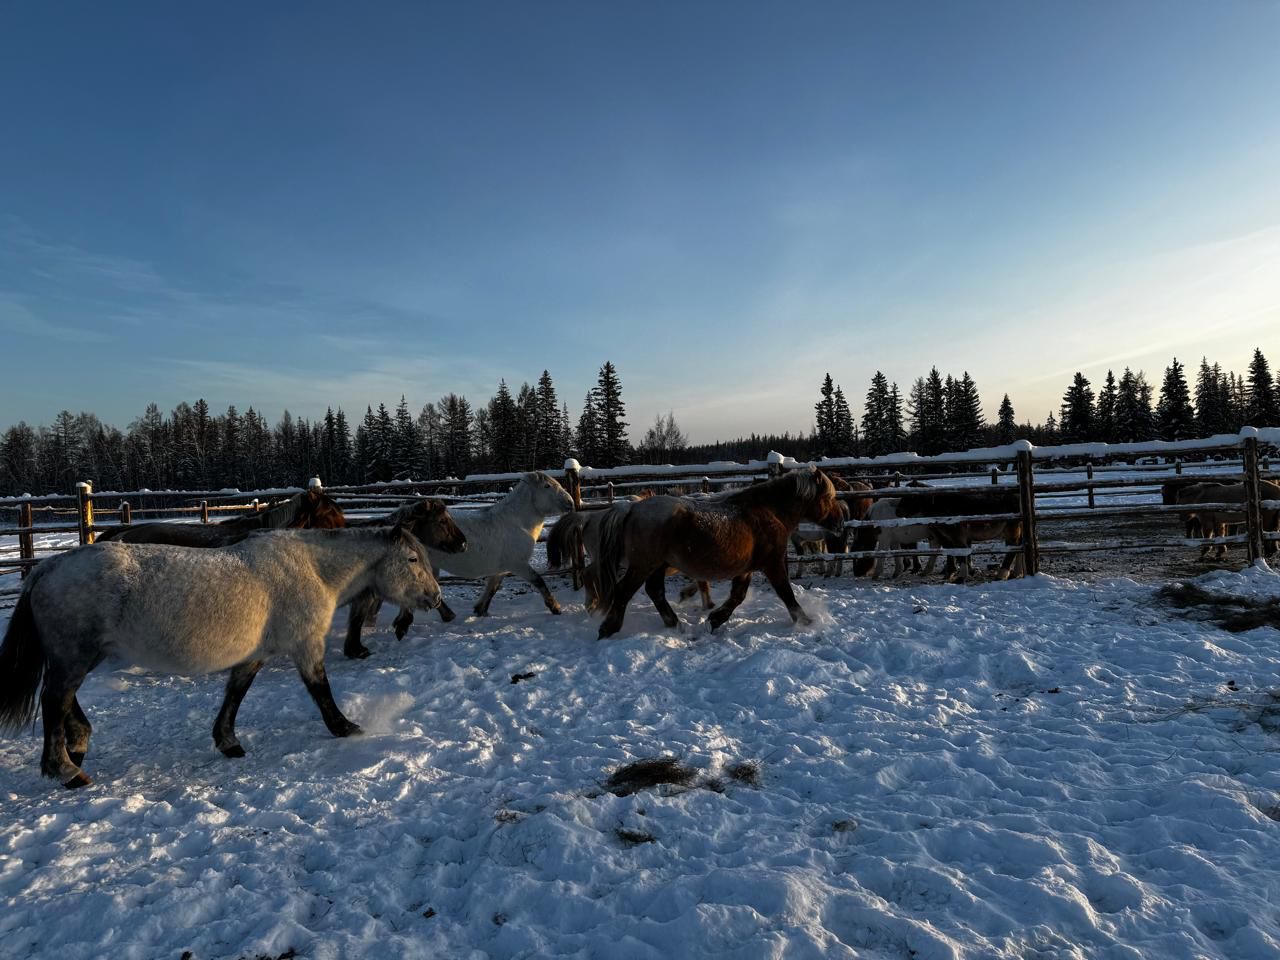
1124,805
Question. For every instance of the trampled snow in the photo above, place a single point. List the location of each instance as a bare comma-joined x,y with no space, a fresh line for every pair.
1033,769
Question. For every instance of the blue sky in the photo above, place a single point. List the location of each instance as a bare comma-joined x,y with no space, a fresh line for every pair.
296,205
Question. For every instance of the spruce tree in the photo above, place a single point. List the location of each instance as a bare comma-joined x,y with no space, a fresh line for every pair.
1174,416
1262,410
406,444
1104,426
1075,423
876,438
1006,425
588,443
615,450
846,433
966,414
824,414
503,429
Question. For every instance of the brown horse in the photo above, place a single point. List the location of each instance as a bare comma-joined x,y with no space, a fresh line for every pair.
312,510
584,527
1214,523
429,521
726,538
958,503
1169,496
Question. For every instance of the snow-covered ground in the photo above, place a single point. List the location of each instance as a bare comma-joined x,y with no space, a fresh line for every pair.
1033,769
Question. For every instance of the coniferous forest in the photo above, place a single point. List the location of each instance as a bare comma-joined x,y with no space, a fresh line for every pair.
195,448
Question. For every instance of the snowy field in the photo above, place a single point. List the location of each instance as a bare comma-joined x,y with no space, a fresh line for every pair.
1033,769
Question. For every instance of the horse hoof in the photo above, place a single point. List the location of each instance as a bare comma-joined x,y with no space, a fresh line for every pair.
350,730
81,779
555,609
235,751
400,634
356,653
446,614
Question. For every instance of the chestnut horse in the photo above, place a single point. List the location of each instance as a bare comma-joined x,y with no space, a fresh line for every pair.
312,510
726,538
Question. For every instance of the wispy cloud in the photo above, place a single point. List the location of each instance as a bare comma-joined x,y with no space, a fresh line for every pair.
17,318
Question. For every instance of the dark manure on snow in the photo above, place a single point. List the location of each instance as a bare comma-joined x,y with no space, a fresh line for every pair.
1235,614
633,838
646,774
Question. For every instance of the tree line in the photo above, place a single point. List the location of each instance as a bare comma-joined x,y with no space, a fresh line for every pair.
941,415
193,448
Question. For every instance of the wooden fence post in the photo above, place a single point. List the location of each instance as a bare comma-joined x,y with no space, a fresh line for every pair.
204,511
995,477
897,478
1253,500
126,513
573,480
706,484
1177,467
26,541
1088,472
84,498
1027,506
610,491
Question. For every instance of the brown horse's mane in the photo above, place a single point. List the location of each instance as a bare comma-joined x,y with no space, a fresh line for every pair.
780,490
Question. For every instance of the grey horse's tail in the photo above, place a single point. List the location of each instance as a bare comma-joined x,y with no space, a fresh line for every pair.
561,540
21,667
613,550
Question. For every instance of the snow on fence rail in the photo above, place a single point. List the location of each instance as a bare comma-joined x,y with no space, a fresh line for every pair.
974,469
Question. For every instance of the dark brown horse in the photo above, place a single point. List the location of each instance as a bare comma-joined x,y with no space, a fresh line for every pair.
1169,492
429,521
958,503
312,510
726,538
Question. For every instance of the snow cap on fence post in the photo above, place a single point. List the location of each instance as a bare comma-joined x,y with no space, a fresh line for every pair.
775,460
315,484
571,464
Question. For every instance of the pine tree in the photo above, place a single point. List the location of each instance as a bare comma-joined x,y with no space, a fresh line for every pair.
1133,408
1175,418
1075,422
846,432
431,435
615,450
588,443
966,423
931,422
894,431
876,430
1006,425
342,452
548,428
1263,409
406,445
231,458
457,444
824,412
502,439
1104,424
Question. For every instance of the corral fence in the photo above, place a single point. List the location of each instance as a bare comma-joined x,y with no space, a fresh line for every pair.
1059,483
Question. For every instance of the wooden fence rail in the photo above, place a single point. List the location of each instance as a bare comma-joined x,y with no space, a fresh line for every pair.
975,471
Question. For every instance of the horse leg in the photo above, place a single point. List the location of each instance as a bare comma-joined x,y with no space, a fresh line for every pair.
532,576
777,577
224,727
78,730
737,593
403,621
59,694
704,588
490,588
446,613
656,588
623,591
317,682
364,607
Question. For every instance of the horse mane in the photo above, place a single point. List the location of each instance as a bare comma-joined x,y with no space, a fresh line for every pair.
810,484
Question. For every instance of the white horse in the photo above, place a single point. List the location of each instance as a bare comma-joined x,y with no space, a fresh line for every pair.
897,537
177,610
500,540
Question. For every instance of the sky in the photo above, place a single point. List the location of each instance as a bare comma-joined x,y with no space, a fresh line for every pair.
298,205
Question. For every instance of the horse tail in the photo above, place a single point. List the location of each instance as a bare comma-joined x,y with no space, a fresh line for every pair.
612,552
560,539
21,667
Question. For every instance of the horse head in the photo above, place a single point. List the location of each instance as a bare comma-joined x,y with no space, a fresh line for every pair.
818,494
404,574
432,525
548,496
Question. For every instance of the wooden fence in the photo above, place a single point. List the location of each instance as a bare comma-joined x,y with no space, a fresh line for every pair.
1239,458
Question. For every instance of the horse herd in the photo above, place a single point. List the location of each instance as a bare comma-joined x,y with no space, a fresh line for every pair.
194,599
